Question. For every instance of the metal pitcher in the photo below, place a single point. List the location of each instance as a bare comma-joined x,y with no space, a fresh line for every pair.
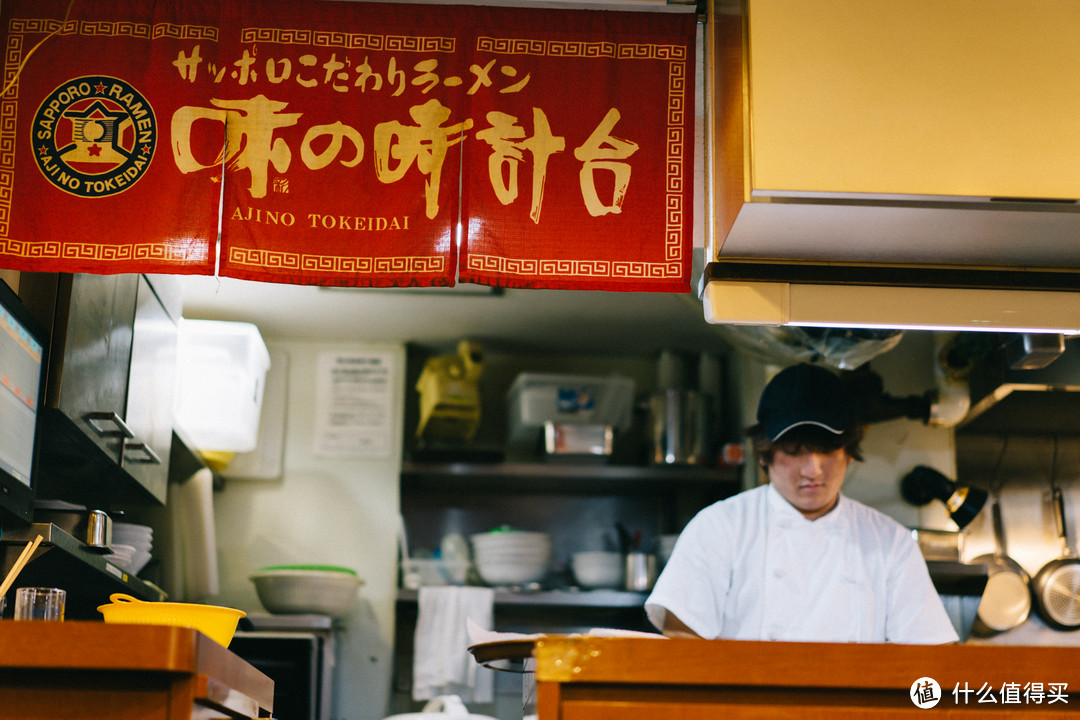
681,426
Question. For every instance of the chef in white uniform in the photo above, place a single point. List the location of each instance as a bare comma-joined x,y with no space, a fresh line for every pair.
794,559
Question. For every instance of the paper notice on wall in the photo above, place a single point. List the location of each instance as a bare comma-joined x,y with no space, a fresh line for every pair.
354,396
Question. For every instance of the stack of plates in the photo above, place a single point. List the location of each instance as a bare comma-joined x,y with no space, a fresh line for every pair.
131,546
511,557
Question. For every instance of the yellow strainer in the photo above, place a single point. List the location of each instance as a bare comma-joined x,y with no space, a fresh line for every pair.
217,623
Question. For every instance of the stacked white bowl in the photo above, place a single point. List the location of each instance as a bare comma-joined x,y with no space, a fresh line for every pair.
121,555
131,546
511,557
307,589
598,568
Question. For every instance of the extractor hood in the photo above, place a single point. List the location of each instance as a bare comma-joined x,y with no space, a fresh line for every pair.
867,175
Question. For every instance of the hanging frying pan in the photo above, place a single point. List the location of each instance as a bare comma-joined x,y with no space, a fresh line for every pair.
1057,584
1006,600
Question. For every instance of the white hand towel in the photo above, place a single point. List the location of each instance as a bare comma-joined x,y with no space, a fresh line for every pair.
442,664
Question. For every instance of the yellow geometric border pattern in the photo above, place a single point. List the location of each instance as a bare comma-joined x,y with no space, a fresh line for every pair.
672,266
582,49
301,262
349,41
9,105
113,28
575,268
59,250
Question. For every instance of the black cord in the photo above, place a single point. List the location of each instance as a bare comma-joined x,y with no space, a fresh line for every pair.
995,479
1053,468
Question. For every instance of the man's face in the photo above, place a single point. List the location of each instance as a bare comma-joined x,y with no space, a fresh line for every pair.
809,480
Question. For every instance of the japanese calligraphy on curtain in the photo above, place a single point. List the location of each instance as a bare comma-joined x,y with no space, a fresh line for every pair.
343,143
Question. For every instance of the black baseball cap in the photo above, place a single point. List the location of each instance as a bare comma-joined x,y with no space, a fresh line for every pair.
804,395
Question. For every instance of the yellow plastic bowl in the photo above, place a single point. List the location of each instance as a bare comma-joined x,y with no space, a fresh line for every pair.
217,623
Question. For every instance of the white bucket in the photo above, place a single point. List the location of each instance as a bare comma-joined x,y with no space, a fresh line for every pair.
444,707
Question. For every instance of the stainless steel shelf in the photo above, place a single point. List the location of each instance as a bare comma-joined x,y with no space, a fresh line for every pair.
949,578
559,476
555,598
63,561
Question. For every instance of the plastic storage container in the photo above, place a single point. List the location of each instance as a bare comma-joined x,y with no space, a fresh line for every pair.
538,398
221,375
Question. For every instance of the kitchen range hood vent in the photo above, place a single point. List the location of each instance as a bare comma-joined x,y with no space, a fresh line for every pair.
842,195
1009,400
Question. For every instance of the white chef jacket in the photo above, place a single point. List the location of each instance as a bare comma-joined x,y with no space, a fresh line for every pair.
753,568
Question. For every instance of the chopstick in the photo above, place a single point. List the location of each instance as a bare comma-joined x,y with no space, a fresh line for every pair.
24,558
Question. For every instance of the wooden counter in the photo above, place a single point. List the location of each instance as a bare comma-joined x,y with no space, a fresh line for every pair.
582,678
84,670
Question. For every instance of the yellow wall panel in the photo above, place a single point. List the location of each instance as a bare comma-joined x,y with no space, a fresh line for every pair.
940,97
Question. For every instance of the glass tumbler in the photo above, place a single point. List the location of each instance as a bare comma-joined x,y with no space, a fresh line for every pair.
40,603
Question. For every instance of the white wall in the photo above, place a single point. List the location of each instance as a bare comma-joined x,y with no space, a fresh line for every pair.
327,511
894,447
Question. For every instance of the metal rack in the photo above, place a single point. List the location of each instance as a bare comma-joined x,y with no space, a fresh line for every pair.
63,561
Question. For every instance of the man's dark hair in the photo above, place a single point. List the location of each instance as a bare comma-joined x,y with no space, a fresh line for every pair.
806,437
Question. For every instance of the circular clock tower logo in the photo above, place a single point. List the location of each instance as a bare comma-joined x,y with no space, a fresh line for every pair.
94,136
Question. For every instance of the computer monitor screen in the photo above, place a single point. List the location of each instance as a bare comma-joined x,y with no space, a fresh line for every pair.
22,375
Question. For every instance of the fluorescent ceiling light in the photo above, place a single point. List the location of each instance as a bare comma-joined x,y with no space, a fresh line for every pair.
461,289
940,328
806,300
